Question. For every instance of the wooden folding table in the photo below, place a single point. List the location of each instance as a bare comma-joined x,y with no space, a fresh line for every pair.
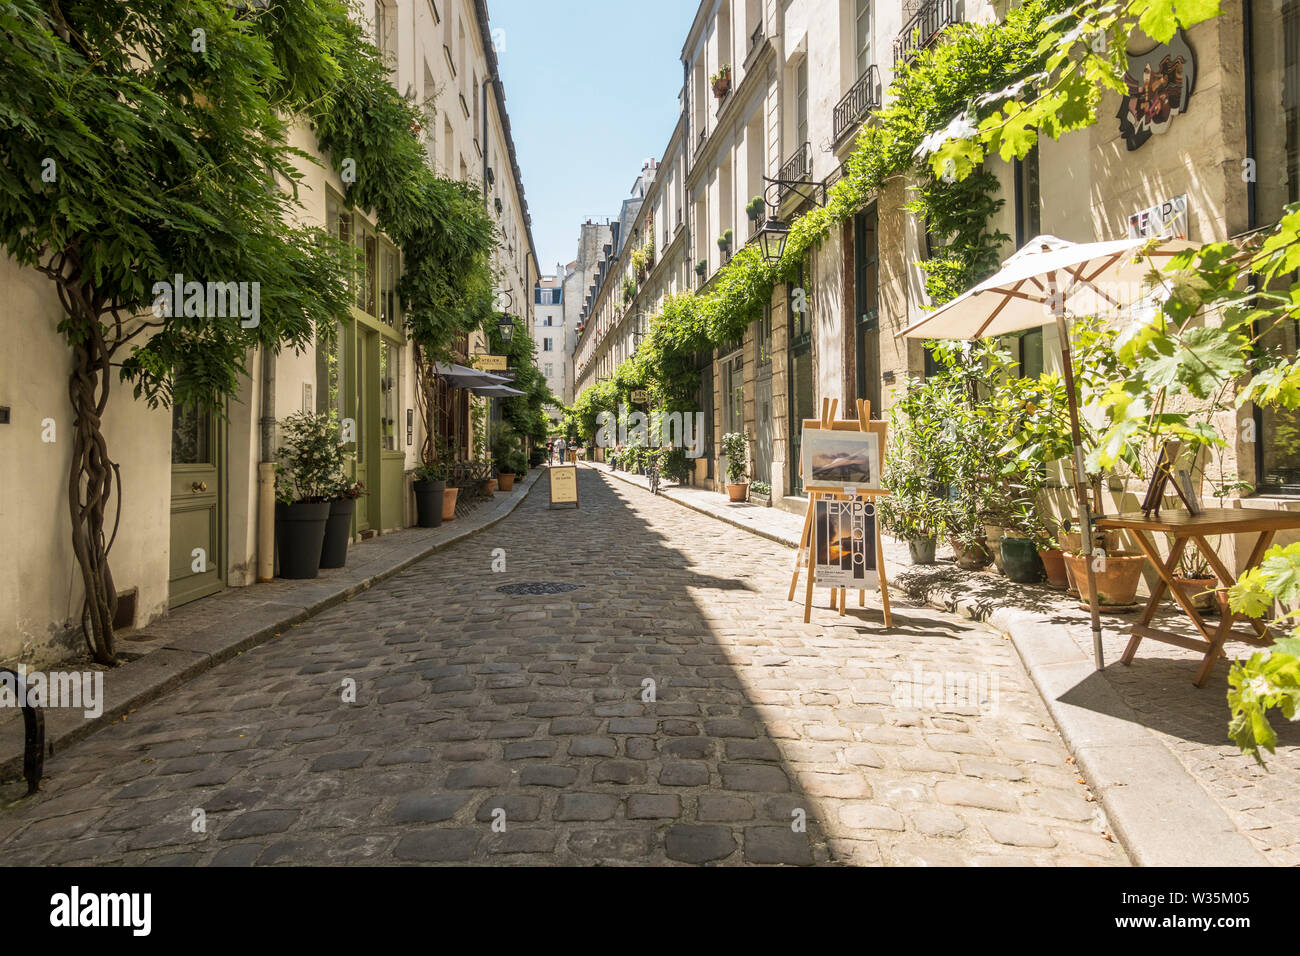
1187,528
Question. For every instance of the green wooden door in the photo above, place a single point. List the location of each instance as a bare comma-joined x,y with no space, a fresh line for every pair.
197,557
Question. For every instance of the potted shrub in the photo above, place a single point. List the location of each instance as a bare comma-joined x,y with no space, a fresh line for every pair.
913,515
701,267
1053,558
736,447
1117,574
338,530
721,81
757,206
724,242
507,450
307,475
1196,580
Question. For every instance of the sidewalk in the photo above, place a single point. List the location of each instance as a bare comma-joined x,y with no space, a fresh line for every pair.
1153,747
199,636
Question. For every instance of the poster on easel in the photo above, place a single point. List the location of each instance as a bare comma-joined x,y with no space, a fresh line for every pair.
563,485
844,536
841,466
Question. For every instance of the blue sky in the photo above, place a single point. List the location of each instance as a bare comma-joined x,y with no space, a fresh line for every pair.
592,92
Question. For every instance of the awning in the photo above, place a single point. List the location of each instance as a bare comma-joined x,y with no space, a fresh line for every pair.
462,377
497,391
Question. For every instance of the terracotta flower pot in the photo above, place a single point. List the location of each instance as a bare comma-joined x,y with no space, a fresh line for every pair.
449,504
507,481
975,557
1117,581
1195,590
1054,564
738,492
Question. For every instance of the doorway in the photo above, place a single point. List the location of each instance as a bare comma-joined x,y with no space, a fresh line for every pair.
196,567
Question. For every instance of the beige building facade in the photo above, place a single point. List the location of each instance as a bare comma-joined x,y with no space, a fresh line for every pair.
191,481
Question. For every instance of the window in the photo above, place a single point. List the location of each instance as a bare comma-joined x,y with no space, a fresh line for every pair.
801,104
385,29
1029,213
548,370
390,357
862,36
865,293
547,345
1275,136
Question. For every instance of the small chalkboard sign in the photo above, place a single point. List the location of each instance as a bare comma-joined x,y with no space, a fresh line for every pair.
564,485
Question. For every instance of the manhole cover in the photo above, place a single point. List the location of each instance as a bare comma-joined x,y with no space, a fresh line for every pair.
538,587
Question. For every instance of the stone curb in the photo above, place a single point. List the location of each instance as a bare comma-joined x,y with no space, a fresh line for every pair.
176,662
1159,812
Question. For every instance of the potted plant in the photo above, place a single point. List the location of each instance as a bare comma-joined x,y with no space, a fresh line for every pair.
508,456
757,206
430,485
1053,558
736,447
701,267
311,460
1197,580
914,515
721,81
338,530
724,242
1023,531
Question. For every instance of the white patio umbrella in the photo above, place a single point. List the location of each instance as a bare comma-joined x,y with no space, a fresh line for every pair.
1040,284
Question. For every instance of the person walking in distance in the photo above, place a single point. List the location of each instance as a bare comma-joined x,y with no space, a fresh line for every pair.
561,447
550,449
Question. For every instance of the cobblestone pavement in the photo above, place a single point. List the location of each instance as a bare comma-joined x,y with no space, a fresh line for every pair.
500,728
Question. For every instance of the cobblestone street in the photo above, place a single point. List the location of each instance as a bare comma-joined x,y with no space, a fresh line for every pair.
511,728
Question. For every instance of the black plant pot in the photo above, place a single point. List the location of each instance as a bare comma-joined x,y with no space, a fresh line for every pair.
428,503
338,533
299,534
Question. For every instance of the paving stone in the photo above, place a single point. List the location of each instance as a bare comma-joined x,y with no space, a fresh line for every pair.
531,749
255,823
1017,833
698,844
522,841
753,777
585,807
864,816
478,775
428,808
437,846
962,794
681,774
547,775
348,760
518,807
723,809
592,747
777,845
653,806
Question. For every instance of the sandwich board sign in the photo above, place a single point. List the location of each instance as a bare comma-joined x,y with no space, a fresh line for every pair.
564,485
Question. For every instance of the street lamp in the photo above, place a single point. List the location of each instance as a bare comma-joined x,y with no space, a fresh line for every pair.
772,238
506,326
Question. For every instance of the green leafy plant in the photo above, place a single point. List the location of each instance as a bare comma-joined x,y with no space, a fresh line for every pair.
311,458
762,488
724,240
756,207
736,447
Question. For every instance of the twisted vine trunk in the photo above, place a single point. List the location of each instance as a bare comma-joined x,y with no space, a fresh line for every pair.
91,473
90,489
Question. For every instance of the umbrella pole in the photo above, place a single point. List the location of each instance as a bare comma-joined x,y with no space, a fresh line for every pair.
1080,476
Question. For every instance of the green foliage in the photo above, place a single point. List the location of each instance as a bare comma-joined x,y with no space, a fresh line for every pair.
756,207
508,451
311,458
736,447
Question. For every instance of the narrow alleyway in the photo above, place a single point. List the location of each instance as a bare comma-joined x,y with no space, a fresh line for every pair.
517,728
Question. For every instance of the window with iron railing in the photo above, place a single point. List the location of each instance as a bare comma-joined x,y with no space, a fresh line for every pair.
798,168
861,99
926,20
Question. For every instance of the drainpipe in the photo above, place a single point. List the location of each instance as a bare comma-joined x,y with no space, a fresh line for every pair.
266,473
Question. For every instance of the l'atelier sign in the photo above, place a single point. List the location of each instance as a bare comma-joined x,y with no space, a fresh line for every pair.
1160,84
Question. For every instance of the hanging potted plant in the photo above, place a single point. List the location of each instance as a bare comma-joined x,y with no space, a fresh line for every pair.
721,81
736,447
701,267
338,530
311,460
724,243
757,206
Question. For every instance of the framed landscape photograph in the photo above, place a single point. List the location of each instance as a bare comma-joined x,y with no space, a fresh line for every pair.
841,460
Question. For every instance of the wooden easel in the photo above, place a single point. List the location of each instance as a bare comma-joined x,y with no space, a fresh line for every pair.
803,557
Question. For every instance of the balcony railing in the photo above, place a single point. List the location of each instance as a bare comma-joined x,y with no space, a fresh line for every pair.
930,19
798,168
861,99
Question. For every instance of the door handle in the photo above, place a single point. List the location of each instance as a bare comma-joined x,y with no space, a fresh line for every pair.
199,486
